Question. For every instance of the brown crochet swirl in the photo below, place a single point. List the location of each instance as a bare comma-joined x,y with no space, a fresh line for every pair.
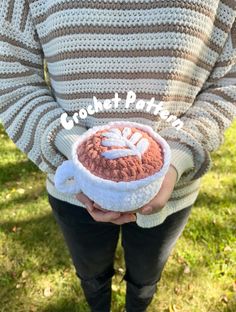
129,168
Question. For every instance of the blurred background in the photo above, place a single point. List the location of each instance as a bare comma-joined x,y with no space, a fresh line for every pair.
36,272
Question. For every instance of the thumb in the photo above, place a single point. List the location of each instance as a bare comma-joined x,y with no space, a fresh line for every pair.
162,196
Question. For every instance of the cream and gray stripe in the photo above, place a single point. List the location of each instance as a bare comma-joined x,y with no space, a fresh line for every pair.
182,53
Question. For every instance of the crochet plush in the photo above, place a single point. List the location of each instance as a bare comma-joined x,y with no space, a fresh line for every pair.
121,154
120,166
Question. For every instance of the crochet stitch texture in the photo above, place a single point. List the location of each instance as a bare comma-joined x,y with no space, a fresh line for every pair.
183,53
127,168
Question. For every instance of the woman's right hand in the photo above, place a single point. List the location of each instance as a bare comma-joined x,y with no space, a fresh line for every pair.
101,215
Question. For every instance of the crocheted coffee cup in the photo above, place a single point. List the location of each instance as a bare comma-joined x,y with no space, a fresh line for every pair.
120,166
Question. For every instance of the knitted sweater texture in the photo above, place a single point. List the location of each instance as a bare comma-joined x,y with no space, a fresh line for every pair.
182,53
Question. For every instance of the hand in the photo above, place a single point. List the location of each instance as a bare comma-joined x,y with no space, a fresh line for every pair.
101,215
159,201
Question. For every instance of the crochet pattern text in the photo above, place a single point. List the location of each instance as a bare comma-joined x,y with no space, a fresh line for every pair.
140,105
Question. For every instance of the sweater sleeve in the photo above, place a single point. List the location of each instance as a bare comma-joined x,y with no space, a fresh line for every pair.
28,110
205,122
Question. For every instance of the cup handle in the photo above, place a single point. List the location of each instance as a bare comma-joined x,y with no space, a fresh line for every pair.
66,179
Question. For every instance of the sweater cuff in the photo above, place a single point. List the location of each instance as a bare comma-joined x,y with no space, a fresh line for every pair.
181,158
65,139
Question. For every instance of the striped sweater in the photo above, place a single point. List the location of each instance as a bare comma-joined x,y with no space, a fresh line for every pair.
182,53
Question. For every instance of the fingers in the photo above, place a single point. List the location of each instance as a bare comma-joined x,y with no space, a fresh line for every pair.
126,218
98,207
155,205
102,215
85,200
110,216
160,200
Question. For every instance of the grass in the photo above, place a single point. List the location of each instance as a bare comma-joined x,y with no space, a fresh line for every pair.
36,272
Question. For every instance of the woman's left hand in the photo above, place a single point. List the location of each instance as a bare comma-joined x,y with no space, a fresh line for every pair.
159,201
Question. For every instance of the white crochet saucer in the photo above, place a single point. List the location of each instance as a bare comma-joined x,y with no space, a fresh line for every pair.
72,177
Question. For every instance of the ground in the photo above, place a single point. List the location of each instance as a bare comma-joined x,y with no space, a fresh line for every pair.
36,272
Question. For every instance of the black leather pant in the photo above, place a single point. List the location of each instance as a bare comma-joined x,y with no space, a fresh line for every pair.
92,246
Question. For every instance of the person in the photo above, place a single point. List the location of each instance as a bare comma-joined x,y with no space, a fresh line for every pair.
181,53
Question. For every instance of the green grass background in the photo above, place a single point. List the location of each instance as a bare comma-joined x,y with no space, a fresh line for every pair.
36,272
